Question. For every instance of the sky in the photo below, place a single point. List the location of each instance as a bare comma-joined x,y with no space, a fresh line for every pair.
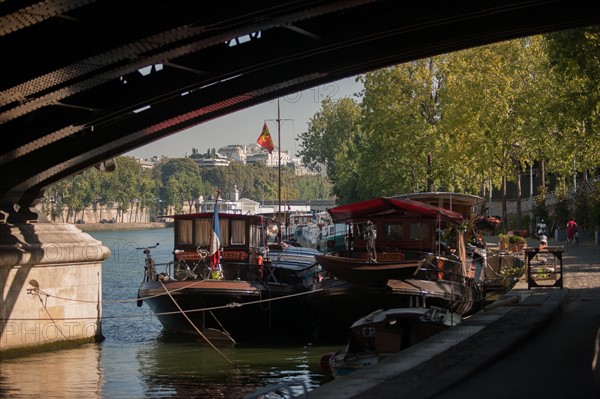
244,127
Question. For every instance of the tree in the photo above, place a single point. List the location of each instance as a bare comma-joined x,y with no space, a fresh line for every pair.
495,90
174,194
187,184
126,179
61,191
172,166
333,142
574,65
402,110
147,192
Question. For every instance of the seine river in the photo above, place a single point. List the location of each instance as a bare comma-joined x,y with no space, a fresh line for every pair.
137,360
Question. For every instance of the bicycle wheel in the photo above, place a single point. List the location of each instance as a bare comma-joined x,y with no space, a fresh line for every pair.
181,271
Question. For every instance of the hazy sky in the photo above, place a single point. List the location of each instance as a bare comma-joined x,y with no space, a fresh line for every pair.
244,127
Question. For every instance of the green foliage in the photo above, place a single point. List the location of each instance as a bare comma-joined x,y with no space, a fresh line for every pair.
561,209
575,67
458,121
583,209
448,123
587,207
511,239
334,142
404,147
594,198
515,239
260,183
516,271
129,185
173,183
540,211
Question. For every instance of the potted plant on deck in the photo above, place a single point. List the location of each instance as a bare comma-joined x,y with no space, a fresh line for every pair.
517,243
503,241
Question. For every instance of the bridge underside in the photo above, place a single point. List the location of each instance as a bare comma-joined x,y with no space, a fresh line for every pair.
84,80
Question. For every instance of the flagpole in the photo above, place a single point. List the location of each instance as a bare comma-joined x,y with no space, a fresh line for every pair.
214,239
279,164
267,143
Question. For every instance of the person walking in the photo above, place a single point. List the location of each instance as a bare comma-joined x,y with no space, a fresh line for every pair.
571,231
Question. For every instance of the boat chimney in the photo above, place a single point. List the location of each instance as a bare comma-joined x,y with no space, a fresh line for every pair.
236,194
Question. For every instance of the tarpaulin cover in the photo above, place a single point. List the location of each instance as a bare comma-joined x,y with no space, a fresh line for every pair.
391,207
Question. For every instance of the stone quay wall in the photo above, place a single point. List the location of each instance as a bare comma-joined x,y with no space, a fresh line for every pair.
51,285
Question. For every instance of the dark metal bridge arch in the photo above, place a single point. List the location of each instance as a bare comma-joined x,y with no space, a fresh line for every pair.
86,80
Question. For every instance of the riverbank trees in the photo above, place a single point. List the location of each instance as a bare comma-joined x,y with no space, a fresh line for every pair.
471,121
173,184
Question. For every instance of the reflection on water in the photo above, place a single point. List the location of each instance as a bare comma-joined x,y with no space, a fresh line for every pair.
136,360
194,369
159,370
67,373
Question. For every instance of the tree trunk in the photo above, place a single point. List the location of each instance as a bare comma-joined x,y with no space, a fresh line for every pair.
429,178
504,221
519,195
542,176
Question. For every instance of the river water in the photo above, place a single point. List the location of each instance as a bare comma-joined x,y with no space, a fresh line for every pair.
138,360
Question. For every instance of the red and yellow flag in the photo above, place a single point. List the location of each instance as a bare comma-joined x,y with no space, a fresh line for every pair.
264,140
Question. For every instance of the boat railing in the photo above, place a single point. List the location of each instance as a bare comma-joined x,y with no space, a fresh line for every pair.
305,277
386,254
192,264
179,271
152,273
434,268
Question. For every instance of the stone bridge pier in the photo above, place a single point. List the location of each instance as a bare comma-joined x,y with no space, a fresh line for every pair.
51,285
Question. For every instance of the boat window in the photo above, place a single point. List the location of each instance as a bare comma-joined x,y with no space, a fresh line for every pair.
203,230
224,226
419,231
393,231
238,229
255,237
184,232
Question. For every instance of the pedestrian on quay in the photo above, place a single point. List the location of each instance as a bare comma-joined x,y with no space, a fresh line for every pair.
571,231
543,243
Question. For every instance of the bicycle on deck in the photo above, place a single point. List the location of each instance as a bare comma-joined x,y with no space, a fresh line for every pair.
149,265
191,264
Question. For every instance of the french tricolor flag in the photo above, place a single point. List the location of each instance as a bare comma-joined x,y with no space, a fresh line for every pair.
215,242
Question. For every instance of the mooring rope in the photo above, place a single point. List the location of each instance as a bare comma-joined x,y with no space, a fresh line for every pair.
239,305
228,306
115,300
33,291
196,328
